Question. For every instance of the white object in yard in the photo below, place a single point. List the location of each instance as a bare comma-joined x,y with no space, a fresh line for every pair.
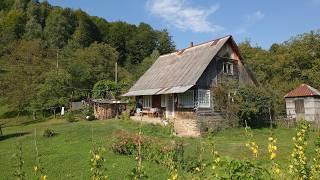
62,111
87,117
165,122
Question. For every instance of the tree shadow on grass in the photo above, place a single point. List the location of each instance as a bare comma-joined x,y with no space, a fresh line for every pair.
13,135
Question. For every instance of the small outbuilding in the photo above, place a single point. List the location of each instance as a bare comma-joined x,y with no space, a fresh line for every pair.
303,102
107,109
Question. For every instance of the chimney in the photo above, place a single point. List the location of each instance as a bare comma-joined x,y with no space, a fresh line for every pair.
191,44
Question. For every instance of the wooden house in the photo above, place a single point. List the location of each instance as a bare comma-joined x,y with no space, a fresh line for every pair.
180,84
303,102
107,109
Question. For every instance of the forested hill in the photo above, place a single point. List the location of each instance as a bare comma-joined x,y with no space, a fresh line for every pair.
50,54
286,65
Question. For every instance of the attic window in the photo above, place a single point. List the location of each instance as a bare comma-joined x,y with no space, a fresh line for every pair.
227,68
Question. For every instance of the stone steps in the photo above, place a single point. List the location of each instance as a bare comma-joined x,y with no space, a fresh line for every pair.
186,128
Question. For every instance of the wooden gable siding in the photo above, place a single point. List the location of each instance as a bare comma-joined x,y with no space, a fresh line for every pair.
214,72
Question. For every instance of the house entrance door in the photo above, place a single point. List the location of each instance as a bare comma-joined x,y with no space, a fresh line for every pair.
170,106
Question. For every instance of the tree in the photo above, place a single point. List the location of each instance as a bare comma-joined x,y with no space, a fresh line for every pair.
58,29
106,89
91,64
33,30
256,105
53,93
165,44
141,44
12,25
117,36
86,31
145,64
25,65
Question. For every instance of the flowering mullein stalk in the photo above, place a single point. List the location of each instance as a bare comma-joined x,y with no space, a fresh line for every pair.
315,168
272,149
97,164
38,169
19,173
251,144
216,161
298,167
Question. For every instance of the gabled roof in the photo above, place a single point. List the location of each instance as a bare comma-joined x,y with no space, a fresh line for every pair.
179,71
303,90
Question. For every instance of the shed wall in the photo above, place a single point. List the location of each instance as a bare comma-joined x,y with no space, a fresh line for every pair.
311,106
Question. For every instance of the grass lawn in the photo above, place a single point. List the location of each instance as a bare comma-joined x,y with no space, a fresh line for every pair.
66,156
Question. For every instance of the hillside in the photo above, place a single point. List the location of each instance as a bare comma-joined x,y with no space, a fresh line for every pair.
55,53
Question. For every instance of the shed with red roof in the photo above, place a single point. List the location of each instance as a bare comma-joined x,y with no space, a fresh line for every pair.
303,102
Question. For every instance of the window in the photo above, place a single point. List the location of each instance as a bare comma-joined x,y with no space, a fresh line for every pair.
163,100
186,99
228,68
147,101
204,98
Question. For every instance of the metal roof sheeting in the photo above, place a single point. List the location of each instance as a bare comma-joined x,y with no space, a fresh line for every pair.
175,72
303,90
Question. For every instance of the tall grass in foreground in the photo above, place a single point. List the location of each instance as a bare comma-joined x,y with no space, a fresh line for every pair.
216,167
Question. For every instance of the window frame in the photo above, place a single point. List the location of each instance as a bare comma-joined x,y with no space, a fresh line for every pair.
184,95
202,93
163,100
227,68
147,99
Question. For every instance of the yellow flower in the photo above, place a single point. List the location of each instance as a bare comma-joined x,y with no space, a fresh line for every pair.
270,138
43,177
197,169
273,155
35,168
277,170
97,156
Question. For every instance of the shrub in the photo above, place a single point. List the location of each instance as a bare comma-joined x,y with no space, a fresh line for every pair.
255,106
49,133
127,143
125,115
70,117
236,169
88,113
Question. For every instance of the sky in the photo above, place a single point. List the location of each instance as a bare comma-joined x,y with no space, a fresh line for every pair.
261,22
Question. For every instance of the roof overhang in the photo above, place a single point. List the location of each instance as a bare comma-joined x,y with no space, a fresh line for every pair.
170,90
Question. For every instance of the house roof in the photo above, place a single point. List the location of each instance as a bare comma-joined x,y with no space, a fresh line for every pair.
108,101
179,71
303,90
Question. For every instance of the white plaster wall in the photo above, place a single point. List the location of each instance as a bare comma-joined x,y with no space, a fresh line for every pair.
311,106
290,107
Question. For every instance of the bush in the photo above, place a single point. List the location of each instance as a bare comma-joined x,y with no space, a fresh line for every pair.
127,143
88,113
125,115
49,133
256,105
70,117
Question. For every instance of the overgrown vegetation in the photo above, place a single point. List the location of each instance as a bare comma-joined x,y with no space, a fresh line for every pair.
203,158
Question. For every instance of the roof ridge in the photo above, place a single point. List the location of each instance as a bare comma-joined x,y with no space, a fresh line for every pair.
202,43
